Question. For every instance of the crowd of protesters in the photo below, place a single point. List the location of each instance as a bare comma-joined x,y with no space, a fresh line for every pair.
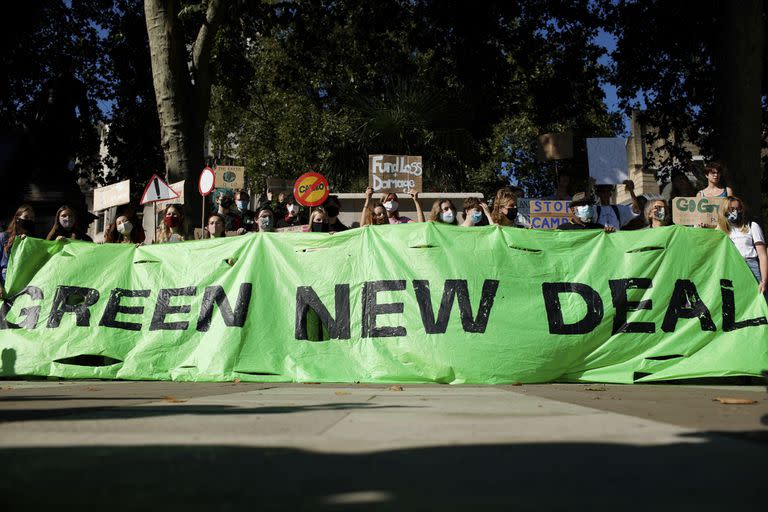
591,209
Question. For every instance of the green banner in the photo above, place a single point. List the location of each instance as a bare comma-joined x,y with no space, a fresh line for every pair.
421,302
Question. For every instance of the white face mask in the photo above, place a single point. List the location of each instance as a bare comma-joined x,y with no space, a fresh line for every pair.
447,217
293,209
265,223
67,222
391,206
584,213
125,228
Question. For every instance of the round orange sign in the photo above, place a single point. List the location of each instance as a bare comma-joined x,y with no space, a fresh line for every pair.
311,189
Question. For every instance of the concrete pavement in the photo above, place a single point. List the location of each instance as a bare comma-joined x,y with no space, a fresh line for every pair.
364,447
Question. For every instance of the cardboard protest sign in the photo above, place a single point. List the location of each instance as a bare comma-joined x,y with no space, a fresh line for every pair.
365,305
695,211
395,173
607,157
177,187
230,176
543,213
555,146
112,195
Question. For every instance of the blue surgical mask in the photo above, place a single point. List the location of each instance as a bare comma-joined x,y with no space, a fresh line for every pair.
447,217
477,217
241,205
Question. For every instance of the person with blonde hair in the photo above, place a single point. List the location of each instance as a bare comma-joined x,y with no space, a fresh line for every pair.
504,210
376,214
746,236
443,211
172,228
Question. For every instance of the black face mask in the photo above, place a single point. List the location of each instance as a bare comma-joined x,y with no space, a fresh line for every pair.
332,211
26,224
512,214
319,227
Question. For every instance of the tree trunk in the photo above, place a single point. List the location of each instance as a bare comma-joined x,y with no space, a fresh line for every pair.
739,73
182,91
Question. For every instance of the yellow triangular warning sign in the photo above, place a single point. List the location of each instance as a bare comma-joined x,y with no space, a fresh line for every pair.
157,190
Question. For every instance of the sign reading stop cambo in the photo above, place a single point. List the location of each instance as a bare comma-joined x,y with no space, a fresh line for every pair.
311,189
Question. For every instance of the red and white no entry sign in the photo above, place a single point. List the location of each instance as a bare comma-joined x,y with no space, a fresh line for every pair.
207,181
311,189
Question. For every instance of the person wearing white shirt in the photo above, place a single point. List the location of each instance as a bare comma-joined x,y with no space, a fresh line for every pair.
748,238
615,215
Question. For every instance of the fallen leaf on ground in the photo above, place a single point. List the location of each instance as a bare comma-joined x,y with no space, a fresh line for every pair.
395,388
595,389
734,401
173,399
237,380
310,383
343,393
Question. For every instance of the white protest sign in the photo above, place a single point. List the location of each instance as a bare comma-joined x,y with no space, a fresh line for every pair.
607,159
111,195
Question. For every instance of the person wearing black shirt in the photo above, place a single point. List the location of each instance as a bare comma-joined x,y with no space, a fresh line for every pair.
332,207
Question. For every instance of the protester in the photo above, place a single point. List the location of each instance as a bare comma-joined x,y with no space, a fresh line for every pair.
716,186
583,213
444,211
266,219
292,215
332,207
246,215
657,212
214,226
615,215
505,208
476,213
123,231
639,222
561,191
391,205
376,215
748,238
173,227
22,225
65,226
318,221
232,221
678,186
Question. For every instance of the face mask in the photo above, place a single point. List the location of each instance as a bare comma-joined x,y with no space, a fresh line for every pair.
241,205
734,217
171,221
332,211
319,227
476,217
660,213
265,223
512,214
584,213
447,217
25,224
125,228
67,223
293,209
391,206
226,202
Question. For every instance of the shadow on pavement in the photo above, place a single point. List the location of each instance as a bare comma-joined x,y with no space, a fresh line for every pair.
148,411
713,473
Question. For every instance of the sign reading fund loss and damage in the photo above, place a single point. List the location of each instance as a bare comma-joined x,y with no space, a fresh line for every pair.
534,307
395,173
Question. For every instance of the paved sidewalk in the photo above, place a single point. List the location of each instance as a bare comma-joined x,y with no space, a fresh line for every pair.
411,447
